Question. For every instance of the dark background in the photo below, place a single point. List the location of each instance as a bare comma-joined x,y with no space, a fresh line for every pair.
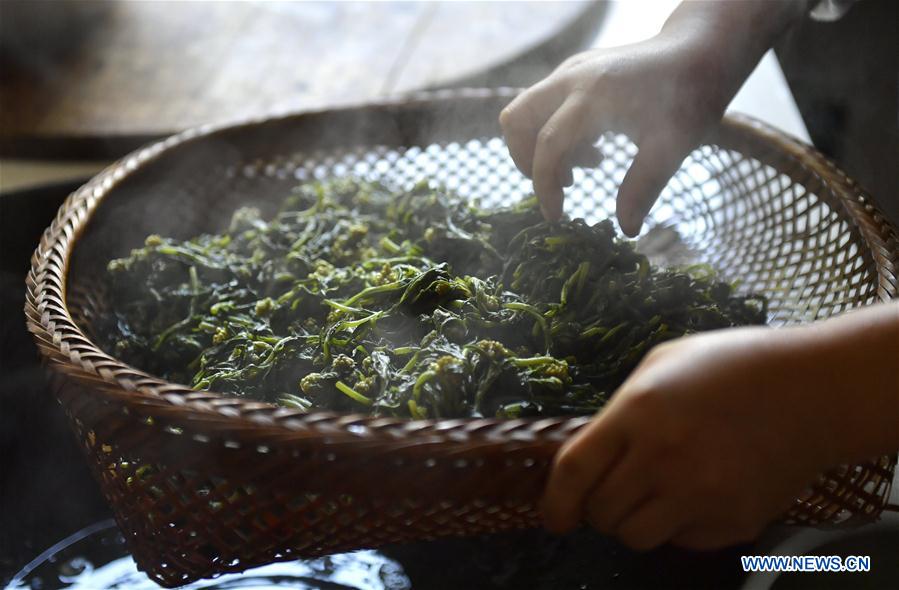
46,490
845,79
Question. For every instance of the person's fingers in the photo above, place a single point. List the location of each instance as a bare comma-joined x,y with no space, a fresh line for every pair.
585,154
652,524
566,175
581,461
655,163
721,527
701,538
554,142
523,118
627,486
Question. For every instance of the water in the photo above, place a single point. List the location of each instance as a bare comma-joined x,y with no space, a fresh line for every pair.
96,559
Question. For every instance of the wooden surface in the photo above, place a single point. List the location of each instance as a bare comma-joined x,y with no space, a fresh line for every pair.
109,71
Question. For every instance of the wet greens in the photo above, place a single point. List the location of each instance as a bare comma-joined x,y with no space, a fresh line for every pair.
357,298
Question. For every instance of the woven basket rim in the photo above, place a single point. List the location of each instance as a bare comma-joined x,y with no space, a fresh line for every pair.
69,350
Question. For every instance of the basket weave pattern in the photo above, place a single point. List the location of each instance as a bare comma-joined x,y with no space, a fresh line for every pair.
204,484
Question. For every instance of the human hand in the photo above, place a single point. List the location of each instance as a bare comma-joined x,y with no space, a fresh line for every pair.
665,94
646,91
708,441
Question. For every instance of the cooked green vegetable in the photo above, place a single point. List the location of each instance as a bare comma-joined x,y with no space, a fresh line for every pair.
355,298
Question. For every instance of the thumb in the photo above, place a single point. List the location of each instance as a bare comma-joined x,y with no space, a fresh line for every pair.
655,163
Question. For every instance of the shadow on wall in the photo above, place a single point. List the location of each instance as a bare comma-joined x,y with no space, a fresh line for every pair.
538,62
36,36
845,78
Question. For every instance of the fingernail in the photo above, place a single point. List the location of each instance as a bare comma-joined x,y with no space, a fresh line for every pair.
635,224
554,206
550,213
626,223
543,211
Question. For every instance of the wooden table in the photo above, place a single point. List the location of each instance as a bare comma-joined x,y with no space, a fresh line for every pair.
108,76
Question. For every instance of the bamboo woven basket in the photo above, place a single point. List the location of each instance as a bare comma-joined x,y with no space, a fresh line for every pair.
203,484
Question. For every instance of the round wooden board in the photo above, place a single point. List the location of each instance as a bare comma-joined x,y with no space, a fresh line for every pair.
92,79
